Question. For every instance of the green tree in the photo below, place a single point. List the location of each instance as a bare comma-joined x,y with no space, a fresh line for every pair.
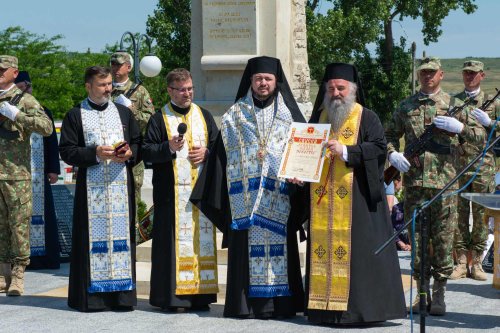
432,13
343,33
57,75
170,26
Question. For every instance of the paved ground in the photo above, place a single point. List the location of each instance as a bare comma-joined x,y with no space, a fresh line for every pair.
472,307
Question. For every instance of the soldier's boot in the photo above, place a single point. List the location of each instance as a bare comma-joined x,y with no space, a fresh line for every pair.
4,277
416,303
477,272
460,270
17,283
438,306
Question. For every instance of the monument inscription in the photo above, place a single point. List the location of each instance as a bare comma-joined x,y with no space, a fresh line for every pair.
229,26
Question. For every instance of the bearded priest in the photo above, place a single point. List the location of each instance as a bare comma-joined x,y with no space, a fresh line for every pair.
346,283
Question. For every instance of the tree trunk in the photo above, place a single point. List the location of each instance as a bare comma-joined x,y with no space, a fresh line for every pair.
388,47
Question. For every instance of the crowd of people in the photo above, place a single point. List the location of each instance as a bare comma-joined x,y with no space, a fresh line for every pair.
207,179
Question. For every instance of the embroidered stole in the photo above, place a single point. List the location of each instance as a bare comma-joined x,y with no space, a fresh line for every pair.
330,225
37,225
259,201
195,246
108,206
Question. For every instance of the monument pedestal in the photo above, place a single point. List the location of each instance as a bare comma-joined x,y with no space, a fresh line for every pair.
492,204
226,33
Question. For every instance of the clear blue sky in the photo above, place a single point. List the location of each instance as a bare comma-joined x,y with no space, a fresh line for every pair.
95,23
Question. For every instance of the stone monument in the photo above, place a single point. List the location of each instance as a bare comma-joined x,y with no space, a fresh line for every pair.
226,33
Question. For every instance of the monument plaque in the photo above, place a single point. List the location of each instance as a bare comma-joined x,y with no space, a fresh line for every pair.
229,25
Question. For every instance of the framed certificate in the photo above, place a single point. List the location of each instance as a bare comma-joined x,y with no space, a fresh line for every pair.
304,151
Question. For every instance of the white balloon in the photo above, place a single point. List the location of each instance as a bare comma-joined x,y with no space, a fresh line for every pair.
150,65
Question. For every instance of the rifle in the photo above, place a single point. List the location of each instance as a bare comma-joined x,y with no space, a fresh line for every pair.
424,141
132,91
5,133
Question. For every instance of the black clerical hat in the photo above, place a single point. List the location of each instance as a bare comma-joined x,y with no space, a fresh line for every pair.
337,70
23,76
270,65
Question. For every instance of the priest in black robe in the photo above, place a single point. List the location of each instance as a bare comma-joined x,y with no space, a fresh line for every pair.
258,214
51,258
75,151
346,283
184,253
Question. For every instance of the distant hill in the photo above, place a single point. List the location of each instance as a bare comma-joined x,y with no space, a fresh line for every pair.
452,81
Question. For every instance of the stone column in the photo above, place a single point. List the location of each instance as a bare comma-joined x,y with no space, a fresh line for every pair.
226,33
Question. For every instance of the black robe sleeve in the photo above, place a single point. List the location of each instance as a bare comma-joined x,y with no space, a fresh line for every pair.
369,153
50,149
210,193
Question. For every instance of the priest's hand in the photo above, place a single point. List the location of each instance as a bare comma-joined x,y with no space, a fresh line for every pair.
198,155
295,181
335,147
176,143
123,155
105,152
52,177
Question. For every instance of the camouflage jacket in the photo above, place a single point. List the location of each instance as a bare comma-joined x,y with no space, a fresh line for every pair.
142,106
15,155
472,150
410,119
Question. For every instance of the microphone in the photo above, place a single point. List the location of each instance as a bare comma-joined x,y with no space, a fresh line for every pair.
181,129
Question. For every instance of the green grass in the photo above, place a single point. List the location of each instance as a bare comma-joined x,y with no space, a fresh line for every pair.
452,81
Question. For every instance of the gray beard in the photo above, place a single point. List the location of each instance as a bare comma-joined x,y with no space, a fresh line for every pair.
339,110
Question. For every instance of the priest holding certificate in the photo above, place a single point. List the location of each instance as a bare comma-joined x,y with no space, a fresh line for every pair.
345,282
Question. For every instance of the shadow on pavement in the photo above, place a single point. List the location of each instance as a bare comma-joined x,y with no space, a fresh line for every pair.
484,290
464,321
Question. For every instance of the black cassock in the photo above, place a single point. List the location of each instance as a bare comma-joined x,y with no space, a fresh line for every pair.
73,151
376,290
163,257
51,259
211,196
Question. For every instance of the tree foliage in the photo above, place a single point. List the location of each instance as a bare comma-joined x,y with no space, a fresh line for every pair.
170,26
346,29
57,75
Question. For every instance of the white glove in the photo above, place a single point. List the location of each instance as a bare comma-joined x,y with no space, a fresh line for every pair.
399,161
121,99
8,110
482,117
449,124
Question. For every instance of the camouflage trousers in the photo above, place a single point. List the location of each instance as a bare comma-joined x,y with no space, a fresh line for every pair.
15,216
442,221
464,238
138,172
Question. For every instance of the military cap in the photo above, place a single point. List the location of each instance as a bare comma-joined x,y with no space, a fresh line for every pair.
473,65
7,61
431,63
120,57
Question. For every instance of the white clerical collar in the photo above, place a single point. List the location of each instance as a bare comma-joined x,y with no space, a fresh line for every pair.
120,84
3,92
473,93
100,104
429,95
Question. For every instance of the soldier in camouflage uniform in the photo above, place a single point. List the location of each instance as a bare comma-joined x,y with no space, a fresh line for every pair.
139,102
17,122
466,241
433,170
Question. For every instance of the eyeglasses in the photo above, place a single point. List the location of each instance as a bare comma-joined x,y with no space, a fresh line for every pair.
183,90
